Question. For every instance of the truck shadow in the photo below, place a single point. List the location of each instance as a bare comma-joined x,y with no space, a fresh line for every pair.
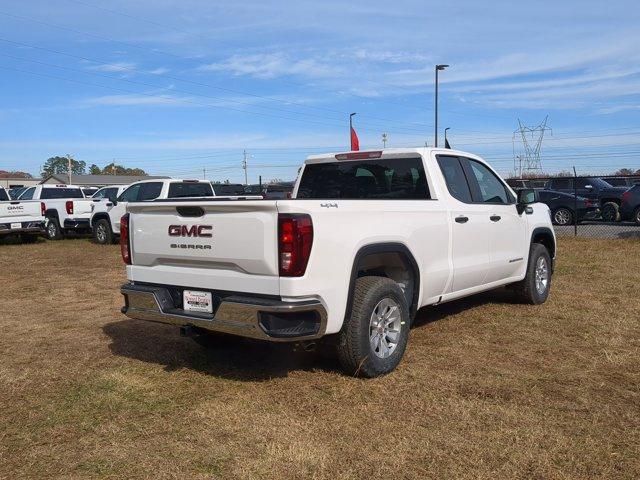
242,360
250,361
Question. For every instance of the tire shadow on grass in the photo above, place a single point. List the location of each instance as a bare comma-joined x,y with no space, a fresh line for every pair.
244,360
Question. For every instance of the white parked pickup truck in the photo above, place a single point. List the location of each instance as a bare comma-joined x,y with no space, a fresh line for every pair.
66,209
367,239
110,203
20,218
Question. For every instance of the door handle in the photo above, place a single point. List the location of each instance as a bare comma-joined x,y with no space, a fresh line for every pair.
495,218
462,219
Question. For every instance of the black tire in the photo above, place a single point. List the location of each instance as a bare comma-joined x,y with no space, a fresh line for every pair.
355,351
28,238
526,290
53,230
102,233
636,216
610,212
562,216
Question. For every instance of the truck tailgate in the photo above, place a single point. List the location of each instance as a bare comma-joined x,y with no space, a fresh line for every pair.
217,245
22,211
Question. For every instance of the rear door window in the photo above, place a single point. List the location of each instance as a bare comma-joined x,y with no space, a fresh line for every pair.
186,190
455,178
3,196
149,191
382,179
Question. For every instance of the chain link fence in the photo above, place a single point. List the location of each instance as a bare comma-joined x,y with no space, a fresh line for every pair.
589,206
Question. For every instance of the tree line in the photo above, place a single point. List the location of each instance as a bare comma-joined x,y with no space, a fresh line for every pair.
60,165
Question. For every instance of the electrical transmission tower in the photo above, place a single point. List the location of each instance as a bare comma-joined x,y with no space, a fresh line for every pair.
527,158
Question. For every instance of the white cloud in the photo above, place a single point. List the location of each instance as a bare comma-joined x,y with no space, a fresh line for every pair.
272,65
115,67
133,100
159,71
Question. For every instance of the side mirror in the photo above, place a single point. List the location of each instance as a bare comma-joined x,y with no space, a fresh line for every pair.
526,196
114,201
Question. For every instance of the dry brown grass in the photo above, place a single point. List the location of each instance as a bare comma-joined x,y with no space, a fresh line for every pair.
488,389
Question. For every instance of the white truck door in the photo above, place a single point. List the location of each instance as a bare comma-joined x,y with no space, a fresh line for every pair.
470,228
120,205
507,229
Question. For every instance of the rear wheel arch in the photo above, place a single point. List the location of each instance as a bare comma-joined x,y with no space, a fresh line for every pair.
51,213
392,260
100,216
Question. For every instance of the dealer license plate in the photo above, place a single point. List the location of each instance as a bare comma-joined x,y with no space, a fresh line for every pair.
195,301
15,226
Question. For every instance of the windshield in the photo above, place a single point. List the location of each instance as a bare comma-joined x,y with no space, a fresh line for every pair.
183,189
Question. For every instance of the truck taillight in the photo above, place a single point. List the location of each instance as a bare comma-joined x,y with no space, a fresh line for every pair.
69,206
43,208
295,237
125,248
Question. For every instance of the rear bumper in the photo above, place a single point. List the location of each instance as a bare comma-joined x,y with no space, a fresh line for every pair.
25,227
77,223
242,315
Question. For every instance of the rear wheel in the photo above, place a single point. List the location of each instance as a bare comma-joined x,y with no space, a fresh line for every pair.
562,216
636,216
102,233
373,340
534,289
54,232
611,212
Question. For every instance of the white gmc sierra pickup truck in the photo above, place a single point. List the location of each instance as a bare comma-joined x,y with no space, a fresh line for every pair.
20,218
107,208
66,208
367,239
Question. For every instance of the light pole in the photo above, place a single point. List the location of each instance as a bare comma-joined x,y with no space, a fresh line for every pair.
438,68
446,143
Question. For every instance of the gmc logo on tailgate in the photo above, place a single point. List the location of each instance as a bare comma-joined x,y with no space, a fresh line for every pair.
192,231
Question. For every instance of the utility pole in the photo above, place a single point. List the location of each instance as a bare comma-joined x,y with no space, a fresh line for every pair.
69,167
204,173
385,139
244,166
438,68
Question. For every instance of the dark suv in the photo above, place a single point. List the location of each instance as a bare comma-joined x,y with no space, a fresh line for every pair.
595,189
630,208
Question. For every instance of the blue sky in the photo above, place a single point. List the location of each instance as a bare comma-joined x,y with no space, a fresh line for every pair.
178,87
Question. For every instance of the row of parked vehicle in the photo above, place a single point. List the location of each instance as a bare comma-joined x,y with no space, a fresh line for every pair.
58,210
587,198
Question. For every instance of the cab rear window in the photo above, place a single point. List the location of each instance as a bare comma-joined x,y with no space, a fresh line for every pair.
183,189
3,196
50,193
382,179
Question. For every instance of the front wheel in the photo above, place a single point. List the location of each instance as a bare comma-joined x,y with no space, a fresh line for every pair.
636,216
611,212
373,340
563,216
534,289
54,232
